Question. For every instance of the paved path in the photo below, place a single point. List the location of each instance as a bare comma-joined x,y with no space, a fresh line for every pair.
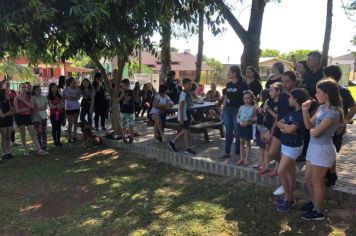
346,160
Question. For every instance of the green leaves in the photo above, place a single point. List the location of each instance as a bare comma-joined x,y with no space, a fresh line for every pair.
22,73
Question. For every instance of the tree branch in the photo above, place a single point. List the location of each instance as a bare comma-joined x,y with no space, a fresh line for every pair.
102,70
235,24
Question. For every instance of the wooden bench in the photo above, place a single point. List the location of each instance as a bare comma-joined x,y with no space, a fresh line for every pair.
200,128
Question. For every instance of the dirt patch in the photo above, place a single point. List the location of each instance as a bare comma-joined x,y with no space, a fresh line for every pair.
57,202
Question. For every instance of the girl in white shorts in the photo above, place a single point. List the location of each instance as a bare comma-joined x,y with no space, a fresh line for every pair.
321,152
292,133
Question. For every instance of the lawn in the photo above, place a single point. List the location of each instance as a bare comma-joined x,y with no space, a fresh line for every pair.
99,191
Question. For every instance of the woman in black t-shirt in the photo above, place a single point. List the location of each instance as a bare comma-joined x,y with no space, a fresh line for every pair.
6,120
100,103
253,81
233,99
147,98
277,73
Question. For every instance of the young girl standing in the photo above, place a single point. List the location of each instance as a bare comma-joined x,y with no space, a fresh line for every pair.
56,106
246,116
270,113
6,120
39,116
321,152
71,95
289,81
292,129
23,108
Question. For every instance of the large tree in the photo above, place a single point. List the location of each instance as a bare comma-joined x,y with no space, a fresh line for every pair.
188,18
250,38
199,62
49,30
328,24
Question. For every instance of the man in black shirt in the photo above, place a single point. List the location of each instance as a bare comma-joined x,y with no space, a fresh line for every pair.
172,92
311,78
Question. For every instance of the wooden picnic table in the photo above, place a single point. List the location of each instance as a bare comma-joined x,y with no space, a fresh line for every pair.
196,106
203,125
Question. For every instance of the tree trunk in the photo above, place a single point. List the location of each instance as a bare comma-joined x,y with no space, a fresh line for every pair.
250,38
250,56
329,16
117,78
102,71
166,50
200,45
113,90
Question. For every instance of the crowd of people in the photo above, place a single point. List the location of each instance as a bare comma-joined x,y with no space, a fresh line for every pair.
298,116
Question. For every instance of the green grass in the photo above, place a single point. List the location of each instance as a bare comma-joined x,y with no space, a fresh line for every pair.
101,191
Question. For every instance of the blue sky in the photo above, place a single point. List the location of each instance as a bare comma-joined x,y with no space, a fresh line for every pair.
287,26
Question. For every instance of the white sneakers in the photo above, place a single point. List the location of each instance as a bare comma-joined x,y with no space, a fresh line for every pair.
279,191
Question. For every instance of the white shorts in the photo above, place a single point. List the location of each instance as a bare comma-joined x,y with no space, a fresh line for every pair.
321,155
291,152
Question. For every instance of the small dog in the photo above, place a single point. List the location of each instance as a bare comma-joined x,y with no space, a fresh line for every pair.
89,135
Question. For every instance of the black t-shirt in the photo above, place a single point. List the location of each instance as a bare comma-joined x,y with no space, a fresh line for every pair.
269,119
256,87
100,99
310,79
5,106
149,96
234,93
173,92
127,106
347,99
270,81
283,105
294,140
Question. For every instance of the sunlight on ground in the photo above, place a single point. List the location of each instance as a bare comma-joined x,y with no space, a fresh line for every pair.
78,170
91,222
140,196
285,227
107,213
167,192
31,208
88,156
100,181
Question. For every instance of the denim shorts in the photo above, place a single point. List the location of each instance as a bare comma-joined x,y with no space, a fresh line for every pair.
291,152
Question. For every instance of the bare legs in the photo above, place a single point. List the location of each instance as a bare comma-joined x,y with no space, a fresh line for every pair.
245,149
286,173
158,130
314,177
6,139
273,152
72,125
184,132
32,133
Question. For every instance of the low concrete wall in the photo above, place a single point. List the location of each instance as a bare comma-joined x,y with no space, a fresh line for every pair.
215,167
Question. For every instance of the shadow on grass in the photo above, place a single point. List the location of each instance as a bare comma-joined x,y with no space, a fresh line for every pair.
100,191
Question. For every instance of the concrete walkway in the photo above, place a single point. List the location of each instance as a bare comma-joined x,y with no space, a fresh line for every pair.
207,159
